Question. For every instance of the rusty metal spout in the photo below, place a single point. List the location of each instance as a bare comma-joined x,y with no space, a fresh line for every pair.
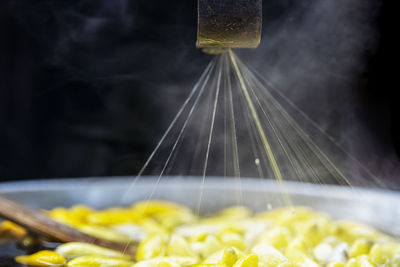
224,24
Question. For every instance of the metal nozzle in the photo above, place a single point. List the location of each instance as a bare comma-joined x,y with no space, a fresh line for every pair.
224,24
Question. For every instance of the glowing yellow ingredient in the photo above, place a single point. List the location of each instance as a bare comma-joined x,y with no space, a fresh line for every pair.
42,258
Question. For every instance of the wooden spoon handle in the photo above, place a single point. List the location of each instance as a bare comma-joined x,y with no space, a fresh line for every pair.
38,222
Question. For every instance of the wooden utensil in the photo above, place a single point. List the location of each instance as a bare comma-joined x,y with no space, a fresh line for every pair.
39,223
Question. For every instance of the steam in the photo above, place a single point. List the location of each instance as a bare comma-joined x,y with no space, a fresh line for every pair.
138,59
315,54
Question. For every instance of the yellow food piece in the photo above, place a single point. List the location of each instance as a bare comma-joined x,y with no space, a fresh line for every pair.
269,255
80,212
352,263
315,229
152,207
278,237
77,249
113,216
350,231
63,216
8,228
98,261
298,243
210,245
104,233
360,246
233,240
153,246
171,235
301,259
151,226
250,260
178,246
42,258
377,255
227,257
171,219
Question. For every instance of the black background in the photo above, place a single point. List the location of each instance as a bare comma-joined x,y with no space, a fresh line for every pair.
87,87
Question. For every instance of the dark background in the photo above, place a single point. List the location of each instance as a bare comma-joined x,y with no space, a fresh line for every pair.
87,87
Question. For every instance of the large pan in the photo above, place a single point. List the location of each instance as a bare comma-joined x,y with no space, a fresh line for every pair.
379,208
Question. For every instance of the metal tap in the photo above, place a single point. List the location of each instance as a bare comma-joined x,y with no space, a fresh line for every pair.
224,24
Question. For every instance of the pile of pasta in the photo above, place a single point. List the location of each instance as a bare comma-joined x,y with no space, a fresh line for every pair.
171,235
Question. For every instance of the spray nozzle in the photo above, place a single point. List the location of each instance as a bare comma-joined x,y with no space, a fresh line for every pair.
224,24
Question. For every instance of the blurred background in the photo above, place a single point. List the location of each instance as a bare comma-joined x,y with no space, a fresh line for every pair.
88,87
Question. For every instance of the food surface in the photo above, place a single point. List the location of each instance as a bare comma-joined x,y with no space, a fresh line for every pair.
171,235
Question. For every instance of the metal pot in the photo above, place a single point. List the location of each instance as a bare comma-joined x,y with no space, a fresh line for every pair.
379,208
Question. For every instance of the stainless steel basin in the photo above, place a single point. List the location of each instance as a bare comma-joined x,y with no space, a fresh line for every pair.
379,208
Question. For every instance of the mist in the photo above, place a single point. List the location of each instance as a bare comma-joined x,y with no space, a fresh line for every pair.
317,54
107,77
